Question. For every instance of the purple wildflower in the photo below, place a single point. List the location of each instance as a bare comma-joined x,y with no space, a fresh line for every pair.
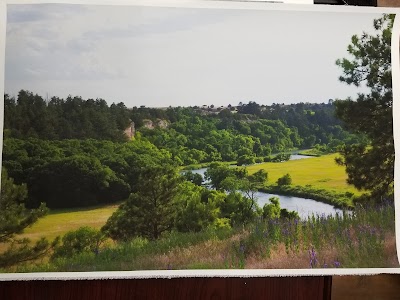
169,267
285,231
325,265
336,263
313,257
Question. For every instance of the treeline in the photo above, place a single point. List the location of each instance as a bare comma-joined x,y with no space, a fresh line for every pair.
248,133
73,118
197,136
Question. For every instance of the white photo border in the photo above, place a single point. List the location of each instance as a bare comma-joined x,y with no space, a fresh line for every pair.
246,273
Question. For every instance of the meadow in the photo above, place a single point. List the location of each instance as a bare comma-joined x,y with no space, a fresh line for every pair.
59,222
319,172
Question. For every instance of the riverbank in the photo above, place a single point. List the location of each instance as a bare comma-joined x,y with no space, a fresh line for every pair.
316,178
337,200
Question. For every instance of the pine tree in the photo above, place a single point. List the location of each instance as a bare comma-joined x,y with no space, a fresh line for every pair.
151,209
14,218
370,166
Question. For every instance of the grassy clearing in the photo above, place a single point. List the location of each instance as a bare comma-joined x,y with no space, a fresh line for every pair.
319,172
59,222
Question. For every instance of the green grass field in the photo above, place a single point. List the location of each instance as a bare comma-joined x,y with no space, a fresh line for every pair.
319,172
59,222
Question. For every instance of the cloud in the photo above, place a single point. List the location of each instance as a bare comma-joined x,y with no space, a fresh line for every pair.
154,54
45,42
167,21
18,13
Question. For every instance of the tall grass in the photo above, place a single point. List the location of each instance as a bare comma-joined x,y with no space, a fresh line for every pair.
361,238
137,254
352,240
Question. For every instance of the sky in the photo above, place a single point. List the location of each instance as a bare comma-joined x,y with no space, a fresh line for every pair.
159,57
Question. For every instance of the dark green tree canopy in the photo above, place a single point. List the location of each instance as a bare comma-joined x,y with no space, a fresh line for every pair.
370,166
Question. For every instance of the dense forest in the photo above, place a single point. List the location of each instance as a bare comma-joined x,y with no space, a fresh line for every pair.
82,144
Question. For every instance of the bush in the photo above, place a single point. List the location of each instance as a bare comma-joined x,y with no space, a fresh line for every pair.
284,180
85,239
272,210
259,160
267,159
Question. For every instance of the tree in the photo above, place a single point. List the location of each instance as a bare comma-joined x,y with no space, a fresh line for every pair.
198,208
151,210
239,209
14,218
370,166
241,204
195,178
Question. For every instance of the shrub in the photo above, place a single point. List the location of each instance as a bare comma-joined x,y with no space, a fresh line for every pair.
84,239
284,180
258,160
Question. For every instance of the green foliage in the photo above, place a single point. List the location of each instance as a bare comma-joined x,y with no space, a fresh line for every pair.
344,200
287,214
198,208
284,180
218,172
135,254
195,178
84,239
370,166
193,137
31,116
240,210
72,173
245,160
260,177
349,241
280,157
240,204
272,210
14,218
359,239
76,181
151,210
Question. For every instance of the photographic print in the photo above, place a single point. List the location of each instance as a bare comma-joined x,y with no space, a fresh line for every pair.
167,138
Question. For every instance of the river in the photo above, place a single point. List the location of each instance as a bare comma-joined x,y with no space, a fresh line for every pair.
303,206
